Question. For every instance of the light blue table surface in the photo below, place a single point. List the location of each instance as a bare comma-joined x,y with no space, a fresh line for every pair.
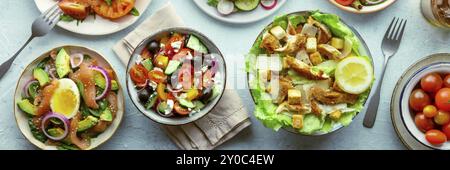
138,132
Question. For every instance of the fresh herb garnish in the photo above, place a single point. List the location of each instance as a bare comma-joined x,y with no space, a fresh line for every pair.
134,12
109,2
66,18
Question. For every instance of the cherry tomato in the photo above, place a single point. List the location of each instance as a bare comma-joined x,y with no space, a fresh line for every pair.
447,80
157,76
138,74
442,117
161,91
175,38
435,137
418,100
180,109
442,99
430,111
423,123
446,130
345,2
431,82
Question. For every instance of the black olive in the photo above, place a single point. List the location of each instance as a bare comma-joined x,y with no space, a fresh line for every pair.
153,47
143,95
206,94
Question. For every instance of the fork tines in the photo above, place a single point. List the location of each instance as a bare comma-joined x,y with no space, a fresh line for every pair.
396,29
52,15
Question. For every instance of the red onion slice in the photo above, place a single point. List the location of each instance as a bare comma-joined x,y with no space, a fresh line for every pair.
269,4
76,60
63,119
107,79
27,86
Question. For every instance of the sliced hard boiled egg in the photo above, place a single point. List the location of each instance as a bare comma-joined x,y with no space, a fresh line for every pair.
66,99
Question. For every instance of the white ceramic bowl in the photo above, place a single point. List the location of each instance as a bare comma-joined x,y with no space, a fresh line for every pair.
405,111
22,119
366,9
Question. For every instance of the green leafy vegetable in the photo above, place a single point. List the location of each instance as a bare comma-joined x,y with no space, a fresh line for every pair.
213,3
134,12
109,2
66,18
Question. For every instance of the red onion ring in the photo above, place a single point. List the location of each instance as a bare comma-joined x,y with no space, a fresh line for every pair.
57,116
107,79
75,56
269,4
27,86
169,87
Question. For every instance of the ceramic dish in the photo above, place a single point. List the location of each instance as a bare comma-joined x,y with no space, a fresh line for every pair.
153,112
22,118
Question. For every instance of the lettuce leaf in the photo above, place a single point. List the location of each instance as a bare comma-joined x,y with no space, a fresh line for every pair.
213,3
296,19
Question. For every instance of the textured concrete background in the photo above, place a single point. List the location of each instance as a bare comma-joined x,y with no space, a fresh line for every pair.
138,132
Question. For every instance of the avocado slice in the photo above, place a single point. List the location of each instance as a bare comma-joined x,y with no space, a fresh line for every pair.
40,75
87,123
26,106
62,63
101,82
55,132
106,115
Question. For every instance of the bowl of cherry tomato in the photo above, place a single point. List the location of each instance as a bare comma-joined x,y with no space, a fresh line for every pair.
425,105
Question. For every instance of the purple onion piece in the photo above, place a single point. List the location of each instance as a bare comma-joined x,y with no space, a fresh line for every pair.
26,87
63,119
107,79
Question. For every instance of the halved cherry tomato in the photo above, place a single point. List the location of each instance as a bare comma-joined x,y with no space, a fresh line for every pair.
161,91
431,82
435,137
442,99
418,100
423,123
157,76
430,111
345,2
180,109
447,81
138,74
181,54
117,9
175,38
207,79
145,54
446,130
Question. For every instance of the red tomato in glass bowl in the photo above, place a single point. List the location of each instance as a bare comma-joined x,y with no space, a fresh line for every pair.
418,100
431,82
447,80
345,2
446,130
435,137
442,99
423,123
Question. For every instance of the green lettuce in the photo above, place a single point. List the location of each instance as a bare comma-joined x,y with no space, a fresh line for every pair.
213,3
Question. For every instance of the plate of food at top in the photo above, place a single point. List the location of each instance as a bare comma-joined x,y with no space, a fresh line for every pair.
362,6
309,73
96,17
69,98
239,11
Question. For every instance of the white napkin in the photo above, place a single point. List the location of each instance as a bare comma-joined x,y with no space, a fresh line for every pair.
226,120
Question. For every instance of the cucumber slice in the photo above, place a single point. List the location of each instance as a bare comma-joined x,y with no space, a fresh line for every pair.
186,103
246,5
195,44
172,67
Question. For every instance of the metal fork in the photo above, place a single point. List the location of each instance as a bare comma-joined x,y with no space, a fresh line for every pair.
389,46
128,45
41,26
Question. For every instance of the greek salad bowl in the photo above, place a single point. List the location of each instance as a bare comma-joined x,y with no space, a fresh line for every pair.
69,98
176,76
309,73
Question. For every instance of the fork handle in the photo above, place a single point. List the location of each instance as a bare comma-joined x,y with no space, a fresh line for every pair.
371,113
7,64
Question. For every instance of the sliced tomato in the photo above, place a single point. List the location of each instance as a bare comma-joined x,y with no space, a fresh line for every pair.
138,74
345,2
117,9
161,91
180,109
157,76
77,10
181,54
207,79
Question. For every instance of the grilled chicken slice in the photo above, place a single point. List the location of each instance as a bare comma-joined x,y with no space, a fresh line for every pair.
315,108
293,45
329,51
285,85
330,97
270,43
304,69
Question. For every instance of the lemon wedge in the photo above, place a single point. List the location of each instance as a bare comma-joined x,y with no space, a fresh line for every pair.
354,75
